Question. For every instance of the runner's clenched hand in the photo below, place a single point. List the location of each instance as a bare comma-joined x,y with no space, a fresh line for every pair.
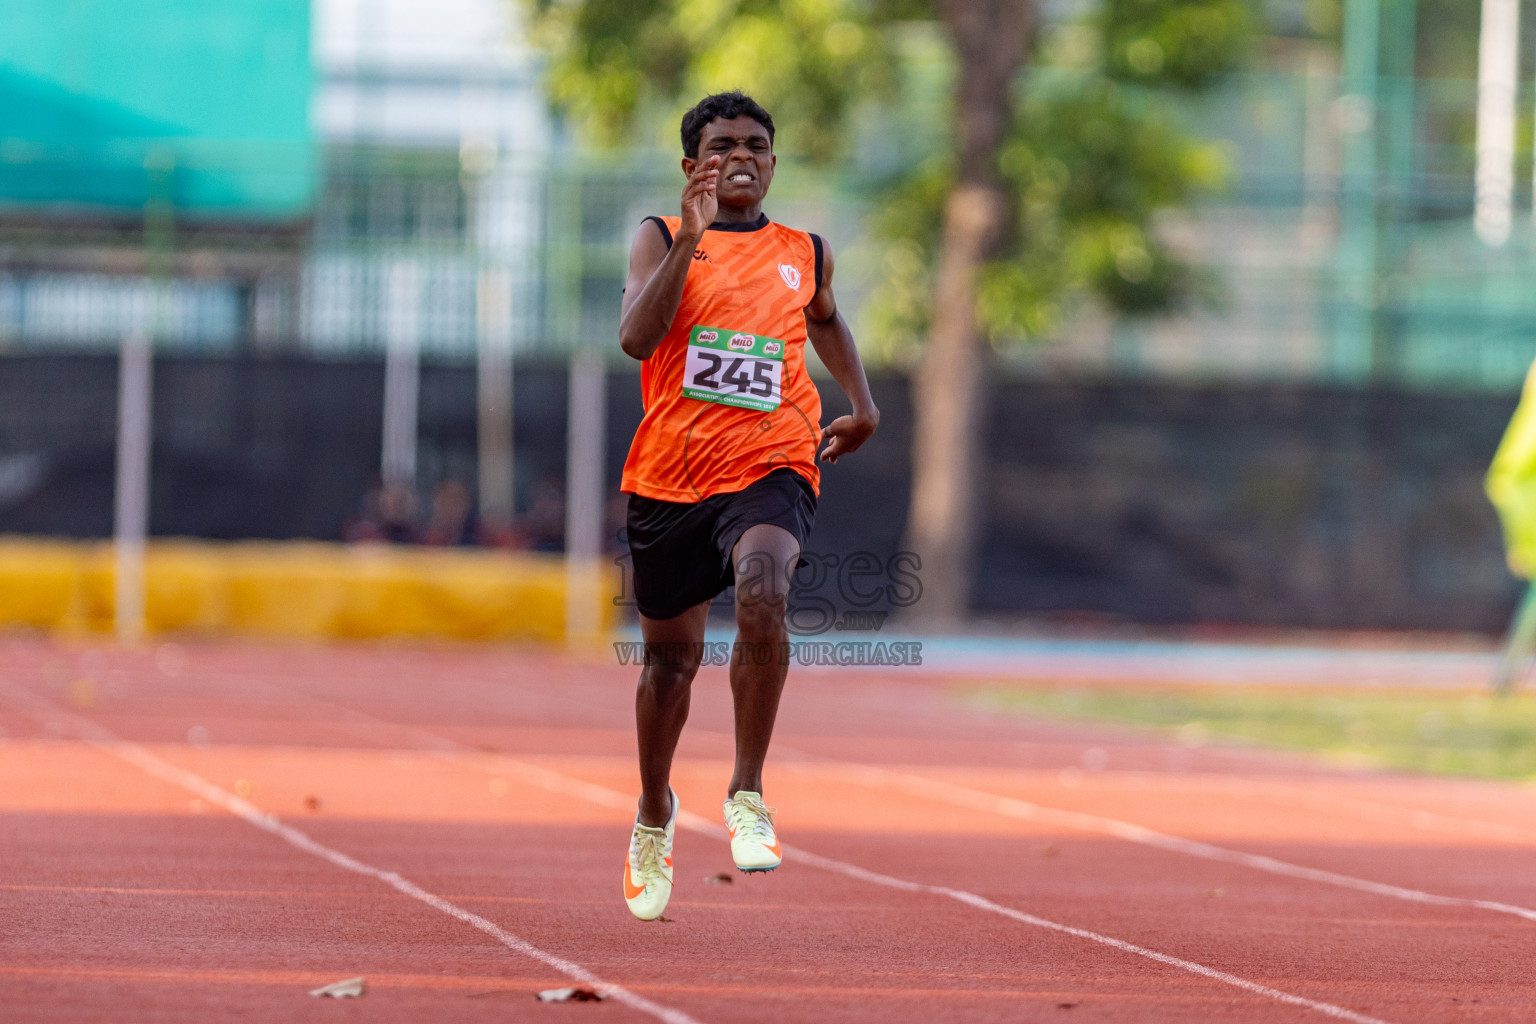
845,434
699,202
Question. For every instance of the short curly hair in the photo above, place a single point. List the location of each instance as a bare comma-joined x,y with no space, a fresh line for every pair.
724,105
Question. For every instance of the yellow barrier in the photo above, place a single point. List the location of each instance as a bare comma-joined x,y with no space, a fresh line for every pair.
301,590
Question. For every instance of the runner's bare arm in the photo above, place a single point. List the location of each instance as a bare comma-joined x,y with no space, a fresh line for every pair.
833,341
654,286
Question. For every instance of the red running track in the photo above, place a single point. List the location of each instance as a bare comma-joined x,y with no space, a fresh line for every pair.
207,832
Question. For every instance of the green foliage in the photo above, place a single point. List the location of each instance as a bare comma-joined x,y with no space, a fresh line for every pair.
1089,164
1094,155
1323,18
807,61
606,55
907,224
1185,44
1445,32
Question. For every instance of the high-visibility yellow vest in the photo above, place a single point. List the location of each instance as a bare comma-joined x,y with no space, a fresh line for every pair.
1511,483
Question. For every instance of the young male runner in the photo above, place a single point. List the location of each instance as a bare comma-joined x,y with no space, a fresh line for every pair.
722,472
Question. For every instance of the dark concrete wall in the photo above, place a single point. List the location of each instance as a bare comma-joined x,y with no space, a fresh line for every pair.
1276,505
1280,505
266,448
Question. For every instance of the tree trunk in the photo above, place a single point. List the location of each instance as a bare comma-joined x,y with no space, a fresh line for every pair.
991,39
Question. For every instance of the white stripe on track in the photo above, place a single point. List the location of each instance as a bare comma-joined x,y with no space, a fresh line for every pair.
602,795
1023,810
982,903
991,803
100,738
1388,813
1308,795
559,782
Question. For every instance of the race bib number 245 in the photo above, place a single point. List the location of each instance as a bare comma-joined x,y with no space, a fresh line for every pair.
734,368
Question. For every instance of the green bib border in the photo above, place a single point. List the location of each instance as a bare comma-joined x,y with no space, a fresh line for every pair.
721,342
718,339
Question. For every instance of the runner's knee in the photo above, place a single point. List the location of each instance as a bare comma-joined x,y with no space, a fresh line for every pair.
761,617
671,675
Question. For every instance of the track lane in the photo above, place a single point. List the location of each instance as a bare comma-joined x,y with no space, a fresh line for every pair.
590,707
582,789
162,769
158,768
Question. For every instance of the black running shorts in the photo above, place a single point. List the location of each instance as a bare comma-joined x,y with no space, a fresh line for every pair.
682,550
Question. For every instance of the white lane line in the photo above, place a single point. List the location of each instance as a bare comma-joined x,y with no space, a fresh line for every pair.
100,738
982,903
991,803
1375,809
1387,813
558,782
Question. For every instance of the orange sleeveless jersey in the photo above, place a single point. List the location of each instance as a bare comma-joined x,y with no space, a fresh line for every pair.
756,281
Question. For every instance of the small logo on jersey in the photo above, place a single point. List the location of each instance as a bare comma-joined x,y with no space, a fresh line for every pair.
741,342
771,348
791,275
700,254
708,337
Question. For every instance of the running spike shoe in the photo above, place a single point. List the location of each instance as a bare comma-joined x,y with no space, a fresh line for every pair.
648,869
754,844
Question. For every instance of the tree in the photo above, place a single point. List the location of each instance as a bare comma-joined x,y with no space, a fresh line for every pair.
1036,199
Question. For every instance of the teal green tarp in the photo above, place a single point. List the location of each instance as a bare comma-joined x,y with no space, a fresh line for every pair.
213,95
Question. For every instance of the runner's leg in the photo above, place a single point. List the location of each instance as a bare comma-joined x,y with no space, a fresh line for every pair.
672,651
764,558
1518,644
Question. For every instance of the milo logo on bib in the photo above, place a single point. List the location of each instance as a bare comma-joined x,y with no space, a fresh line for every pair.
734,368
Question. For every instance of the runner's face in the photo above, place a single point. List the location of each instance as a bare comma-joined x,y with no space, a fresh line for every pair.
746,159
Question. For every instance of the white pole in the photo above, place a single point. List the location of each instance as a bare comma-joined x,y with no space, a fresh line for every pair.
494,386
134,395
586,424
402,373
1498,55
